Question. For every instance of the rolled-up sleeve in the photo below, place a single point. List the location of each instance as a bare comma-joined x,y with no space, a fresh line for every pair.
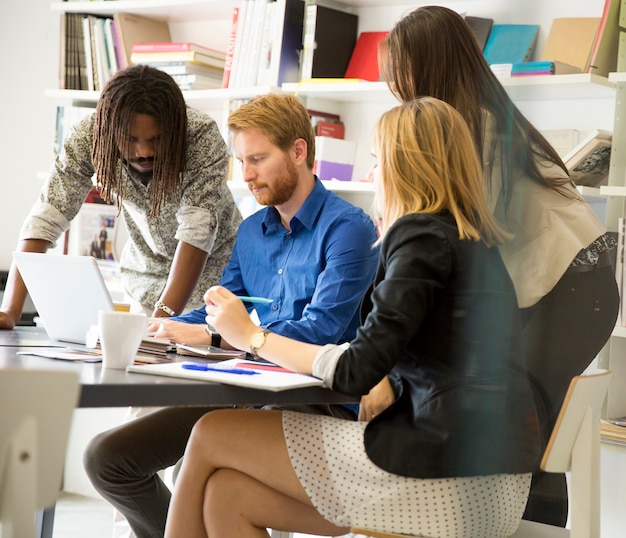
45,222
197,226
325,362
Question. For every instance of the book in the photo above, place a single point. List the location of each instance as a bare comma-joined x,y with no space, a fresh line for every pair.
524,69
187,68
176,46
133,28
571,40
193,81
328,40
619,269
259,378
332,129
511,43
265,45
180,56
603,58
230,50
481,27
610,430
89,55
209,352
588,163
621,52
239,38
251,51
286,45
363,62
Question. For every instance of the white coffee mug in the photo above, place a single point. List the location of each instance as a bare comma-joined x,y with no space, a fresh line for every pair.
120,335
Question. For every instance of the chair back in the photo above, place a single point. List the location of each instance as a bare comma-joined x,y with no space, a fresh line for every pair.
575,446
36,409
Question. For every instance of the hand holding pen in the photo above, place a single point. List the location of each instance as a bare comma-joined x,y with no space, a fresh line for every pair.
227,313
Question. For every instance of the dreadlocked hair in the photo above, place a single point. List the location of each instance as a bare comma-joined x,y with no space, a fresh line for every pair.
140,90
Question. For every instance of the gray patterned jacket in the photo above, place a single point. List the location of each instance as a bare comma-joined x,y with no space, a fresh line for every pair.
206,215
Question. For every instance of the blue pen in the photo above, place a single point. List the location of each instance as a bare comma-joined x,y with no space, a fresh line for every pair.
208,368
261,300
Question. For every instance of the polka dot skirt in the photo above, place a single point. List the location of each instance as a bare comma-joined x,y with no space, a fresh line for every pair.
347,489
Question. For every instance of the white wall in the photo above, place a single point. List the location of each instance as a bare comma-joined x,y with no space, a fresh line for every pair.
29,43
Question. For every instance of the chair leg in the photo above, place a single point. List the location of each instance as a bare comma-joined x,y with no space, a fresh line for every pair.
547,502
18,491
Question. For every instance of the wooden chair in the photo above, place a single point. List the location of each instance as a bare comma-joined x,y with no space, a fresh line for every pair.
36,409
574,446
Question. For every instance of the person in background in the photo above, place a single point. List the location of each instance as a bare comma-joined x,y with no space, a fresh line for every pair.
559,256
165,167
450,439
308,250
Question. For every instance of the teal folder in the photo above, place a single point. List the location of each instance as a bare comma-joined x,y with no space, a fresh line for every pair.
511,43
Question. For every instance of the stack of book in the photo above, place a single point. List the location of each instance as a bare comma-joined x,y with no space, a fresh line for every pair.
192,66
265,43
89,53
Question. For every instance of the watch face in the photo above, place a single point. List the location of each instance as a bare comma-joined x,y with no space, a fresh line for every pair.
257,340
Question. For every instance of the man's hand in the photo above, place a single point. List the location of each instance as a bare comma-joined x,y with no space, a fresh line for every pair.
181,333
6,321
378,399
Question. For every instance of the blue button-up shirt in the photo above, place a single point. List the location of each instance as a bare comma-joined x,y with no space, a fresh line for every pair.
316,273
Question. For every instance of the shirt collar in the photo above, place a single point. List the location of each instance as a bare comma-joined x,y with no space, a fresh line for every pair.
306,215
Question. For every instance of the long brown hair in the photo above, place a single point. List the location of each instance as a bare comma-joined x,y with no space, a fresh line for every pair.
428,164
140,90
432,51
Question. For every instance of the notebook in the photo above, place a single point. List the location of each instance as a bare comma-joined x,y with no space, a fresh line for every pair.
67,291
257,376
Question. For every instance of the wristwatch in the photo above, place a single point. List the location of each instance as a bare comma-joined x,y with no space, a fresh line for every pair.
216,338
258,341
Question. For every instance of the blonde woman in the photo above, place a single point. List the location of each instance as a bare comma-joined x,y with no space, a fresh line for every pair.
455,441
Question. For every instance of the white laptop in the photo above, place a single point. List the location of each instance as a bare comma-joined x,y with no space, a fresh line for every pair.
67,291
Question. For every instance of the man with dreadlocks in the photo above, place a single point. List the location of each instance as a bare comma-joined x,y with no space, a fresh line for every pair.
164,165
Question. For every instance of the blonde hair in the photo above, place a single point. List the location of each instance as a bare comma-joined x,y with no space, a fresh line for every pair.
428,164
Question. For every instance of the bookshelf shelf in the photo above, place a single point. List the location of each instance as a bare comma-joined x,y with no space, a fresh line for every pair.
613,191
340,90
619,331
590,192
577,86
559,87
198,98
176,10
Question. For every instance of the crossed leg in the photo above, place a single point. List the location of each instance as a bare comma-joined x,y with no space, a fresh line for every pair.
237,480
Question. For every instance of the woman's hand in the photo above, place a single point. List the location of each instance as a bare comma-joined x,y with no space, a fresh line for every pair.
181,333
378,399
228,315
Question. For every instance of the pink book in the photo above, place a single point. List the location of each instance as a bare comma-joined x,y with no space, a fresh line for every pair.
231,48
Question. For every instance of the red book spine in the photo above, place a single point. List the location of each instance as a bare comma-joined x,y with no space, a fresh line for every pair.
231,48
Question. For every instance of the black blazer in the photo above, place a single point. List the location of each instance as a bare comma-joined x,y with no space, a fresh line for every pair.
441,320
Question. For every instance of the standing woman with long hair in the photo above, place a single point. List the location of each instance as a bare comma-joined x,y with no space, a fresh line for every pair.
558,258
